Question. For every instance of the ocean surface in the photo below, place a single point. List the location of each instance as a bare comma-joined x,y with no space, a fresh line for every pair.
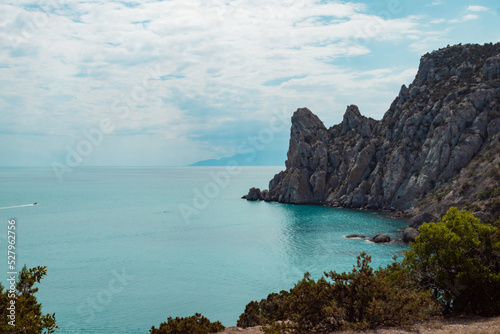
127,247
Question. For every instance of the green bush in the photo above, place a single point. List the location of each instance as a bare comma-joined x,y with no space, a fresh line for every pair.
28,312
196,324
459,260
265,312
362,298
385,297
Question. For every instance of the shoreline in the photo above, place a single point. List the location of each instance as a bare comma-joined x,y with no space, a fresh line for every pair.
405,216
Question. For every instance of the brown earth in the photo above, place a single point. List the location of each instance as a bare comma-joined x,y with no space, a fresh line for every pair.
469,325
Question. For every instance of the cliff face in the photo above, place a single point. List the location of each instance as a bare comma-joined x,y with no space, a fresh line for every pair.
436,146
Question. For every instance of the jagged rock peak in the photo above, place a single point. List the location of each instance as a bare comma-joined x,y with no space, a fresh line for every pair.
353,120
307,130
303,119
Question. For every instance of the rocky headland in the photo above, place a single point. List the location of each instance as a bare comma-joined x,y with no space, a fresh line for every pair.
437,146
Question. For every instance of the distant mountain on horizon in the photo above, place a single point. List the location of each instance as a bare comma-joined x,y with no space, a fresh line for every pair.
262,158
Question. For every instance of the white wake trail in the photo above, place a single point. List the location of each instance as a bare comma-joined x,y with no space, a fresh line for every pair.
18,206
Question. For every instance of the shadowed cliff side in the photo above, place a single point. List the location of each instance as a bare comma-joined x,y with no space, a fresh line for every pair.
437,146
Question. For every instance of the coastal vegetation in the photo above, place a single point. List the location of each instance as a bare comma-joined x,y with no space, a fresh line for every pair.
361,299
20,312
196,324
458,259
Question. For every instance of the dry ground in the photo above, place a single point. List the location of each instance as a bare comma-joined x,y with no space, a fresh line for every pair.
446,326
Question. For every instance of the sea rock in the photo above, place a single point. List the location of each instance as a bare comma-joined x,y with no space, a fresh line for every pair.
353,236
381,239
254,194
409,234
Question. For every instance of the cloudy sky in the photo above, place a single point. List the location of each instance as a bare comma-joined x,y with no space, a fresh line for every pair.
168,83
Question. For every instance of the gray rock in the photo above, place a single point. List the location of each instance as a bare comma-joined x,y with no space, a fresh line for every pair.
381,239
353,236
254,194
353,120
491,68
483,216
264,194
409,234
421,218
295,187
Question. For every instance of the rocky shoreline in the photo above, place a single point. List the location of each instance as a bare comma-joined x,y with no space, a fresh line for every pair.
409,234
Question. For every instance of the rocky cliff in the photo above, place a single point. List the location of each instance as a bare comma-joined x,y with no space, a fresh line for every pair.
437,145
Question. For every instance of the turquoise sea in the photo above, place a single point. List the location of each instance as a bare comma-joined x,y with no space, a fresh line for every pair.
127,247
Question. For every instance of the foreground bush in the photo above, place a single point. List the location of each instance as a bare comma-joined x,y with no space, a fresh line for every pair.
459,259
28,312
362,298
196,324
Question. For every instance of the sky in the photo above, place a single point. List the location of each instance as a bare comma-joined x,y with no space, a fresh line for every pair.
169,83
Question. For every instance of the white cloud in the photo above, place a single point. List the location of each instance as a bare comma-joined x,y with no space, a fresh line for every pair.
435,3
467,17
66,67
438,21
477,9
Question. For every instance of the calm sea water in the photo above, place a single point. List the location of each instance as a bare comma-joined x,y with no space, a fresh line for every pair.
127,247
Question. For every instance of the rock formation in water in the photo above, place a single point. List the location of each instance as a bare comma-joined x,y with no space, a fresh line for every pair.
381,239
437,146
355,236
254,194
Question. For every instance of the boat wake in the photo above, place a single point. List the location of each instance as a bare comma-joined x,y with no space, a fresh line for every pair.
18,206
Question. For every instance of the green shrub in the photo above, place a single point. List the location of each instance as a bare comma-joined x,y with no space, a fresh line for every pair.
485,194
29,317
385,297
265,312
196,324
458,259
362,298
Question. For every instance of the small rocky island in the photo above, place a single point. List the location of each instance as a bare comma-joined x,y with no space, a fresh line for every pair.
437,146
